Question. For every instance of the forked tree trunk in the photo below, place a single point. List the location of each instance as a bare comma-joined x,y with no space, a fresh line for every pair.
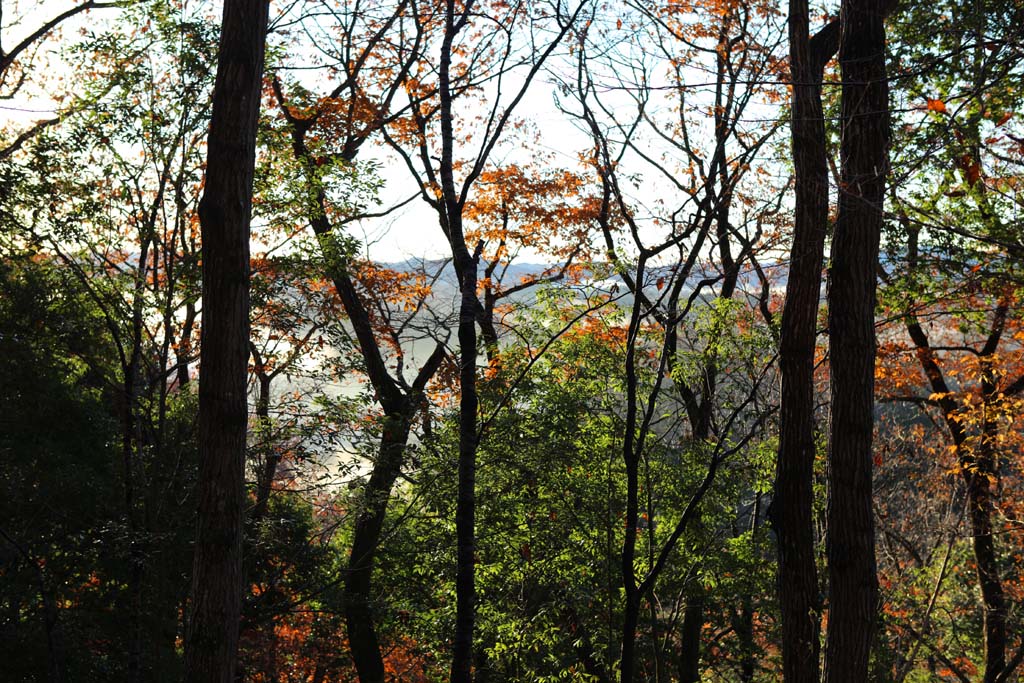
791,511
224,212
399,405
853,580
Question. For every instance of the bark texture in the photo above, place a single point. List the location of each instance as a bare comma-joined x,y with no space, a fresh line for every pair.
224,213
853,580
791,511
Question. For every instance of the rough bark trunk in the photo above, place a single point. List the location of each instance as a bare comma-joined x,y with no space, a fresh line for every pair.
224,213
853,581
791,510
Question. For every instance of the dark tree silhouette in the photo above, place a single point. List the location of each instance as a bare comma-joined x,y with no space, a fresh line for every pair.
791,510
224,212
853,581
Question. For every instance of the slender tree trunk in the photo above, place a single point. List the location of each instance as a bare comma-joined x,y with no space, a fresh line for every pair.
359,616
980,470
745,632
267,469
744,620
184,352
791,510
399,408
987,564
693,625
853,580
466,269
630,621
631,460
657,654
212,637
977,465
465,512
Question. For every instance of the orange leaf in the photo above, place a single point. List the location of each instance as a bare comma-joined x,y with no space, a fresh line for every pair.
937,105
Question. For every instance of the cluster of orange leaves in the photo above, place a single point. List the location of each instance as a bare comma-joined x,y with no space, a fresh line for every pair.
521,206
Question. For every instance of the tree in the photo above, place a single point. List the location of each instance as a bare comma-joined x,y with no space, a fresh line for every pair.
864,156
325,138
972,390
121,226
682,256
46,553
446,186
793,496
224,212
577,489
953,247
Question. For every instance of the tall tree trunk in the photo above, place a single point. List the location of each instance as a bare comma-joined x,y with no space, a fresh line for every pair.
630,621
224,213
466,269
853,580
631,460
791,510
